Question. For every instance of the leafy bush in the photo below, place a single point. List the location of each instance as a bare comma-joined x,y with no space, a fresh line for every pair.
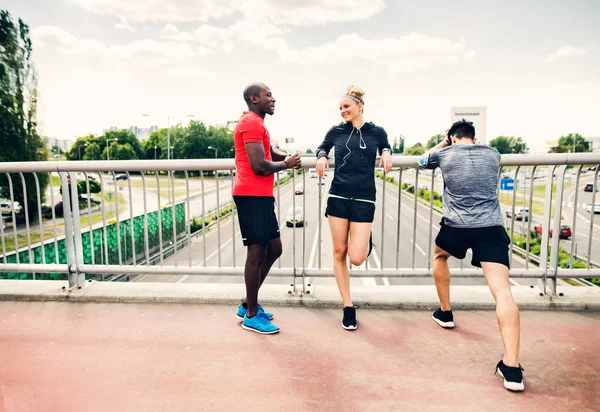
198,224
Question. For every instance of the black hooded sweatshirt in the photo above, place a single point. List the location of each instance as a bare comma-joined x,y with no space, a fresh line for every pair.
355,153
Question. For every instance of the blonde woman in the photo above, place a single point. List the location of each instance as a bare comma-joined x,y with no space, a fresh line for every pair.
351,202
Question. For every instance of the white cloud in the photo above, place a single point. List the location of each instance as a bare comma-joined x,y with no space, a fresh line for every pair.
161,10
311,12
67,43
408,53
565,51
124,26
224,38
288,12
170,29
191,71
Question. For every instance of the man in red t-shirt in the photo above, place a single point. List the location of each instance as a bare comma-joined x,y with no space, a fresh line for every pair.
256,161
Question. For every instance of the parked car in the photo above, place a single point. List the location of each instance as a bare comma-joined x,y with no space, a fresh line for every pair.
565,231
295,219
596,208
520,214
121,177
6,208
590,188
299,189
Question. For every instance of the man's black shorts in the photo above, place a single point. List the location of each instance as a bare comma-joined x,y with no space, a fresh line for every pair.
258,222
353,210
489,244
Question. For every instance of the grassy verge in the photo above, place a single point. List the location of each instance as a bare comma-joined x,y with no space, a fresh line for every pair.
540,190
120,198
9,239
535,246
424,194
537,207
56,181
197,224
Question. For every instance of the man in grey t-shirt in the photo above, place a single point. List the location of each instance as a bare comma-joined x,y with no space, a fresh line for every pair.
472,220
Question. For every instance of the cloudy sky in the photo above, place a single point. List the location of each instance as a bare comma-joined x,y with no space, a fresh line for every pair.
102,63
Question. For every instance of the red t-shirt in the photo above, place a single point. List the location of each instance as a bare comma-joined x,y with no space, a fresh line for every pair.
251,129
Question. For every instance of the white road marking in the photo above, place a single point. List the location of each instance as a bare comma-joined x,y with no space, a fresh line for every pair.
213,254
419,247
388,215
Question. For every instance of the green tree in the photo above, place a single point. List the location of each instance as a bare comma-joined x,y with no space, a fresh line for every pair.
416,150
153,146
92,152
434,140
309,151
120,152
572,143
508,145
398,146
123,137
18,111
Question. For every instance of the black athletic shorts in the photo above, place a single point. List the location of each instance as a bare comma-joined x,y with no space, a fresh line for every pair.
489,244
353,210
258,222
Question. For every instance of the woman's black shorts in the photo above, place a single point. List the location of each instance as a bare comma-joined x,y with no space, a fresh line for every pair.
353,210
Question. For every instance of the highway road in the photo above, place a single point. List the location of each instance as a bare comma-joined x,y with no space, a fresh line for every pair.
220,245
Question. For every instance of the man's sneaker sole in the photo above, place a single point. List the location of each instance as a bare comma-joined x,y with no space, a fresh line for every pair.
512,386
258,331
445,325
349,327
242,318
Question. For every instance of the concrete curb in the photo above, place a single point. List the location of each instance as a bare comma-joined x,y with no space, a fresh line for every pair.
325,296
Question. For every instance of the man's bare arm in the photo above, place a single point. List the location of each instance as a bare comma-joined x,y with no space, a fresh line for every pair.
264,167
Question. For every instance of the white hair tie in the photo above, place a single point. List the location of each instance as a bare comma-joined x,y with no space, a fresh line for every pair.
353,98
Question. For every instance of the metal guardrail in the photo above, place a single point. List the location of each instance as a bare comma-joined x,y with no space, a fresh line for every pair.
76,267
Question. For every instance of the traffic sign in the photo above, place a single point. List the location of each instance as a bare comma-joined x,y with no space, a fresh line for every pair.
507,184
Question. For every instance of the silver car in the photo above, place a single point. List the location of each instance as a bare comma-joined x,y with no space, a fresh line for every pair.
295,219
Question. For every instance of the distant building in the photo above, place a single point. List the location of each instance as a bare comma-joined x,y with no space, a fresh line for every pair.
477,115
64,145
140,133
143,133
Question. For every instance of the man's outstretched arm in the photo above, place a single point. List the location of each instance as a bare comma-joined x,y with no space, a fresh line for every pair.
264,167
430,160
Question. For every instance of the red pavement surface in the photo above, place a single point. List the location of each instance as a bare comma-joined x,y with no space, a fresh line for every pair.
58,356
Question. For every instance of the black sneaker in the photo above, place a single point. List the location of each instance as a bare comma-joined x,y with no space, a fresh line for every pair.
349,322
444,319
513,376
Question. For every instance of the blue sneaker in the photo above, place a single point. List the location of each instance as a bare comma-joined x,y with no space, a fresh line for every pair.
241,312
259,323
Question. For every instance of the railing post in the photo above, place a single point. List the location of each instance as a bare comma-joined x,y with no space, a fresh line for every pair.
551,282
546,228
77,231
70,243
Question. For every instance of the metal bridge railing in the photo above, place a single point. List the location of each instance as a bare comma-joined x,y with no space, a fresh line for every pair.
161,217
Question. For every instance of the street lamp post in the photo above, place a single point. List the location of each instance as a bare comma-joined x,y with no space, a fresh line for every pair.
172,147
215,149
79,147
155,152
107,147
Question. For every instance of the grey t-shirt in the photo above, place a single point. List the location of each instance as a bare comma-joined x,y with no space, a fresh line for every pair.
470,184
